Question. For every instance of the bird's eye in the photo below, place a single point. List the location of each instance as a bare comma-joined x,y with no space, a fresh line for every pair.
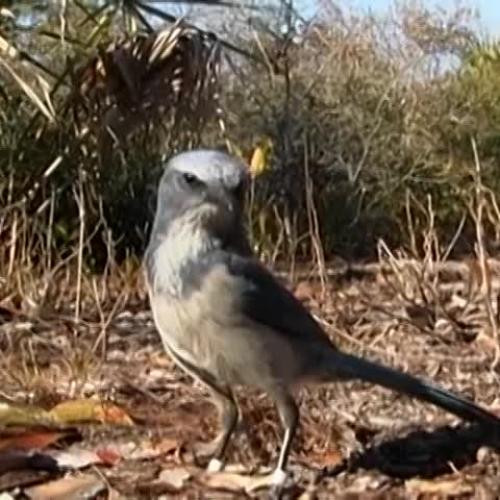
190,179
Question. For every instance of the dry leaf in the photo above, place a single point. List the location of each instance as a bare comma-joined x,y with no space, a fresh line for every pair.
259,162
238,482
166,445
76,458
448,487
175,477
331,458
304,291
67,412
29,440
147,449
108,457
12,414
69,488
89,410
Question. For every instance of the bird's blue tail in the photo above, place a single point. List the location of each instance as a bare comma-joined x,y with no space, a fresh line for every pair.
347,366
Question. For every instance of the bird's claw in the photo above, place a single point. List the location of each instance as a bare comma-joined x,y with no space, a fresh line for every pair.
215,465
275,480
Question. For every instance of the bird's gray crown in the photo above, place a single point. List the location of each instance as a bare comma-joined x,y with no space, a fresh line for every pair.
211,166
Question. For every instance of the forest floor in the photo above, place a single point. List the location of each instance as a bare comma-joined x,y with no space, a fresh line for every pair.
355,440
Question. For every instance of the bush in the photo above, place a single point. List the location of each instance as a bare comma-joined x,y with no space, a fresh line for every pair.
378,113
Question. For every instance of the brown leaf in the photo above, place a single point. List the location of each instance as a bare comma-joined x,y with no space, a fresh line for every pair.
166,445
90,410
147,449
447,487
304,291
331,458
82,487
237,482
108,457
29,440
175,477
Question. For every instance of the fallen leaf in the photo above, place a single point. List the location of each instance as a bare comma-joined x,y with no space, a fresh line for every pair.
86,486
175,477
29,440
76,458
448,487
166,445
329,458
108,457
89,410
147,449
13,414
304,291
237,482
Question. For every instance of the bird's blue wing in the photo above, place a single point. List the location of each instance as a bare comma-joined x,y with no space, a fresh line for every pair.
268,302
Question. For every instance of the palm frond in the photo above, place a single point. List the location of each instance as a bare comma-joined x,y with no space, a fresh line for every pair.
138,80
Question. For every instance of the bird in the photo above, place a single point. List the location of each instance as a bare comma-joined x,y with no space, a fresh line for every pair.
226,319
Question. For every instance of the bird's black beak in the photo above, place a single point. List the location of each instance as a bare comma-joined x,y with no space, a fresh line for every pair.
222,198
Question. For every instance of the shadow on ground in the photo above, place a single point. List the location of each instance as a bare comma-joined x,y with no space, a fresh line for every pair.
426,454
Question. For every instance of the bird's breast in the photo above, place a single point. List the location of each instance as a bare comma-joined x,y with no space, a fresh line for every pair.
183,328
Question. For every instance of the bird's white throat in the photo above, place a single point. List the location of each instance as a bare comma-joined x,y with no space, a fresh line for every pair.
183,244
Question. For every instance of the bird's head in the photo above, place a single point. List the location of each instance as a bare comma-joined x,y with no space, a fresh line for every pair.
203,189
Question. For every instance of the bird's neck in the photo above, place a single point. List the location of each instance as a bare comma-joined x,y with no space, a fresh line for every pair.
174,252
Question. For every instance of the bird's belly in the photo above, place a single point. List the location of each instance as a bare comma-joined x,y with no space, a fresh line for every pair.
233,354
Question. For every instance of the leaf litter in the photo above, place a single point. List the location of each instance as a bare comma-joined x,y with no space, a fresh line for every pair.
127,430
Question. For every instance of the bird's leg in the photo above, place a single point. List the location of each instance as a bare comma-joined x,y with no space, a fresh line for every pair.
229,418
289,414
224,399
206,450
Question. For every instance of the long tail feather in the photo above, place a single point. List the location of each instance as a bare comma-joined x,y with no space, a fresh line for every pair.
349,366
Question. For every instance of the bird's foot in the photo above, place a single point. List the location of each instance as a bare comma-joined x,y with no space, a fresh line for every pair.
234,478
277,479
215,465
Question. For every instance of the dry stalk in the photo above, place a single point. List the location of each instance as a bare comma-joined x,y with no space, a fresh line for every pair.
79,198
106,319
312,217
477,213
13,245
417,280
281,235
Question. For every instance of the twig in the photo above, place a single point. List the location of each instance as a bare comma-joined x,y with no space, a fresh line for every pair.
79,198
482,254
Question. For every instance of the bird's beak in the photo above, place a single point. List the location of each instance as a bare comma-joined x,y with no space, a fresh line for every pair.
222,198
